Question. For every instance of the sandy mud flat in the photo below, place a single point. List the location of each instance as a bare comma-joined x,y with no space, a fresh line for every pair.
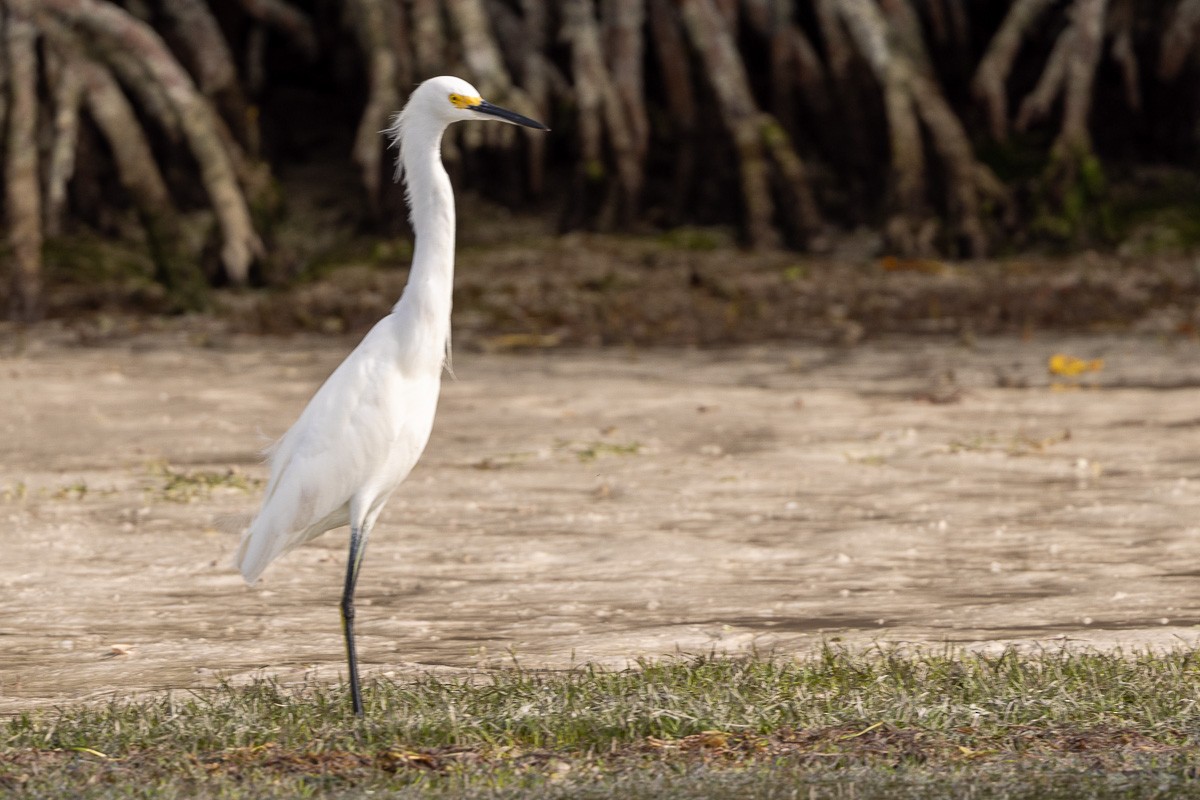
599,506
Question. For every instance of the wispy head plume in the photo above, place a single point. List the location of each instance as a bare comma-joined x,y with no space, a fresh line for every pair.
395,134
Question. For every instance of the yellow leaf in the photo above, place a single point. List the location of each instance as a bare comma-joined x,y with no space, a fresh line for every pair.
89,751
867,729
1070,366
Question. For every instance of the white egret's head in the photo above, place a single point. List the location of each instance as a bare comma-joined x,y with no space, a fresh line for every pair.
437,103
448,99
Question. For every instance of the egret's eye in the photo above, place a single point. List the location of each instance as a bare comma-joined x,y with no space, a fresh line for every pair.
462,101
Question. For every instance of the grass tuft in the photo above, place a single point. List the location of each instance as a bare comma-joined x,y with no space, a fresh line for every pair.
888,723
187,486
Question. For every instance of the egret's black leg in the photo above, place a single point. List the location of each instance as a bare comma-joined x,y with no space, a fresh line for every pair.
358,545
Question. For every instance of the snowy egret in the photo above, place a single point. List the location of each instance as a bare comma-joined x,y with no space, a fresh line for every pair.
365,428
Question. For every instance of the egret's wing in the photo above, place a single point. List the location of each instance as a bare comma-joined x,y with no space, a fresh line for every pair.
335,449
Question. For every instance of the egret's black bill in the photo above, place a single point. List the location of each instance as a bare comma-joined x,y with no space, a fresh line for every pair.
484,107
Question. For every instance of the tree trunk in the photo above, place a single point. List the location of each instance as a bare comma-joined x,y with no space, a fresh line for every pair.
1071,73
371,23
486,69
800,211
600,110
480,52
851,121
118,124
623,21
908,209
157,68
290,21
177,271
771,20
1121,24
5,88
898,57
802,61
67,96
537,85
589,96
992,74
1088,24
212,63
839,51
723,68
1037,103
793,63
681,102
523,40
23,192
209,56
428,38
964,175
1178,38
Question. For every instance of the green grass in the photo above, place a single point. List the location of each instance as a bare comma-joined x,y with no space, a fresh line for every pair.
187,486
881,724
590,451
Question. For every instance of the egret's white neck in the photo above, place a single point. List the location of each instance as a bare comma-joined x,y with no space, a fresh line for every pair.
427,297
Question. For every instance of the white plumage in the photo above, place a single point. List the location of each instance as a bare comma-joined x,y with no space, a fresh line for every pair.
352,446
365,428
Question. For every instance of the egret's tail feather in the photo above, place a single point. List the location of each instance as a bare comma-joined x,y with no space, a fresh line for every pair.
254,554
267,539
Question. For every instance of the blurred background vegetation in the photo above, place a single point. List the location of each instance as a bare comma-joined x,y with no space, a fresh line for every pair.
195,144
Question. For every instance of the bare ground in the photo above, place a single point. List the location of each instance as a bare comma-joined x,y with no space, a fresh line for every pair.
598,506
